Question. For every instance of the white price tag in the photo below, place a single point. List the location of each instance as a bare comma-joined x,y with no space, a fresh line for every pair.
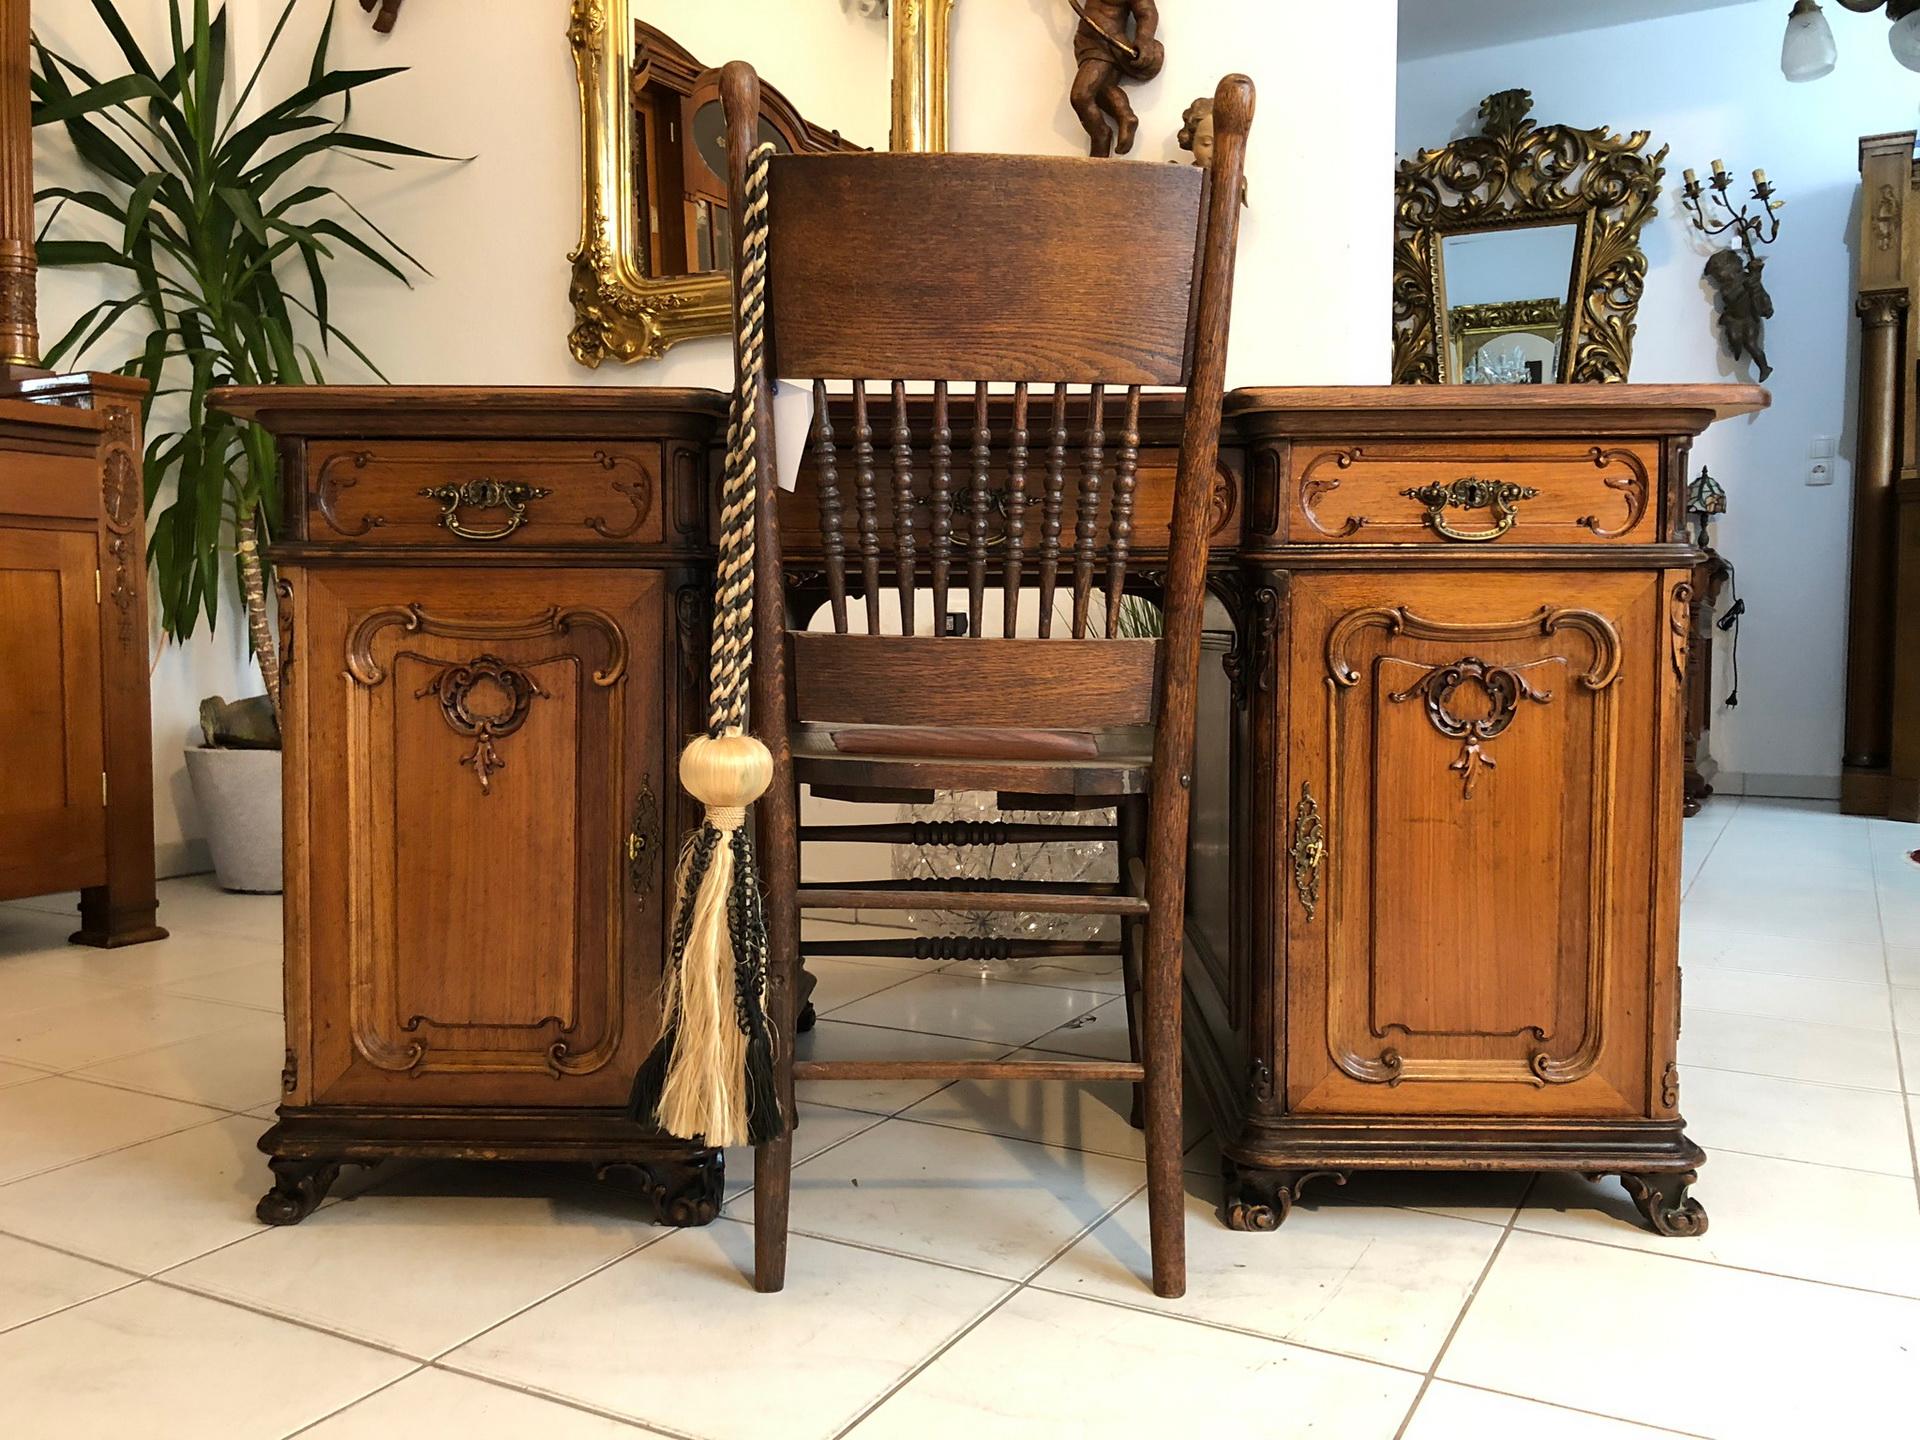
792,426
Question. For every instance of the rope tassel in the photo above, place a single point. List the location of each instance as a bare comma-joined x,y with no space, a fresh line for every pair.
711,1077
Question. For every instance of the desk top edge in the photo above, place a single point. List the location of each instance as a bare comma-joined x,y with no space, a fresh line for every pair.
556,409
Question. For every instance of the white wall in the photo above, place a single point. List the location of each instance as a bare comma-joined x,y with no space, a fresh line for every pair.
494,79
1709,85
1313,296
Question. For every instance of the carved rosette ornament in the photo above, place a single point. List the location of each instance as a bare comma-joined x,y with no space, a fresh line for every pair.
1504,687
1516,172
512,692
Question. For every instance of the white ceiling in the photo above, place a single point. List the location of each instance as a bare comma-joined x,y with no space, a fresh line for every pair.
1443,27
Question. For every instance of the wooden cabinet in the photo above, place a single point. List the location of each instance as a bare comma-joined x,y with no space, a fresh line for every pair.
1455,739
76,792
1434,919
518,960
481,723
1473,939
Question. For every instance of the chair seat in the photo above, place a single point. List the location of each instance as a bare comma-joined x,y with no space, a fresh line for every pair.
1113,761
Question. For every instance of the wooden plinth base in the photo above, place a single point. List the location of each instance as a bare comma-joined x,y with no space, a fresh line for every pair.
307,1147
1267,1169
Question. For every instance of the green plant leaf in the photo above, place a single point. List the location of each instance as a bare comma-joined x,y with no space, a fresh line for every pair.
100,97
217,263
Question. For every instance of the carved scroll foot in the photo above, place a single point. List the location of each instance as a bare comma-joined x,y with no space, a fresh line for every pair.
1261,1200
1665,1204
685,1192
298,1187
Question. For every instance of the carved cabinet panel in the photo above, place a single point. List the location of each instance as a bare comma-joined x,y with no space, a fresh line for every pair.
487,864
1471,799
52,800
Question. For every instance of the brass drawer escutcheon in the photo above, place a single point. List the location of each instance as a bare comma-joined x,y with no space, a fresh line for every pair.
643,844
1309,852
1471,493
486,493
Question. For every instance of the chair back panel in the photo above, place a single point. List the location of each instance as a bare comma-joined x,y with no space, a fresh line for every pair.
898,680
1000,267
1072,282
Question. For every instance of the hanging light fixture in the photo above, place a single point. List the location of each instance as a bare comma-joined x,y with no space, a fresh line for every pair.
1904,38
1807,51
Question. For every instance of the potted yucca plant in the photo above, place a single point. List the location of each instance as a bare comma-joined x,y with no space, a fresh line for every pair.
221,244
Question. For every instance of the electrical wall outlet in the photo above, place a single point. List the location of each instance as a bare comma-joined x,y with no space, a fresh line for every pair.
1820,460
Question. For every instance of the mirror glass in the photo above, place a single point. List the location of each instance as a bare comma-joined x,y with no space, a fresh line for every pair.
1507,303
710,228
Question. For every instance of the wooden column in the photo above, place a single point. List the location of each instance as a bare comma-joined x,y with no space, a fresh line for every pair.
1884,466
19,332
921,30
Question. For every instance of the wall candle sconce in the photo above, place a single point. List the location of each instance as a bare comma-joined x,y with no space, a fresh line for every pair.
1735,271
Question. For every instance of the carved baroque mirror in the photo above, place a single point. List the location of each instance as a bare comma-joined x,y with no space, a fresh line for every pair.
1516,255
655,235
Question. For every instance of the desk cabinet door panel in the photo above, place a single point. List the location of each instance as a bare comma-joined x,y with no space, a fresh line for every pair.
52,806
476,931
1481,757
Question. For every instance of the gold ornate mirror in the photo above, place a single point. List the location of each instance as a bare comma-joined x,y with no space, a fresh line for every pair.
650,270
1516,255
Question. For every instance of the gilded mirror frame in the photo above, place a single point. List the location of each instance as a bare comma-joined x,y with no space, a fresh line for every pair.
1516,173
619,311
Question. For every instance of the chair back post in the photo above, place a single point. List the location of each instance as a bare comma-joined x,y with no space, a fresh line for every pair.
1199,455
777,820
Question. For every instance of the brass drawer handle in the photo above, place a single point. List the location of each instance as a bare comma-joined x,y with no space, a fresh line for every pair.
1470,493
486,493
1309,851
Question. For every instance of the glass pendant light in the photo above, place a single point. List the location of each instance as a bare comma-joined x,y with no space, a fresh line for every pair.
1904,39
1808,50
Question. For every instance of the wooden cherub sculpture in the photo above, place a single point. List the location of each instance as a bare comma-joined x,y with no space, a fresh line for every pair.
1114,42
1196,137
388,12
1745,304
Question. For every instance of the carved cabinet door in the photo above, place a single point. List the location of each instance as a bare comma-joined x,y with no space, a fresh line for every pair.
1471,858
52,803
481,907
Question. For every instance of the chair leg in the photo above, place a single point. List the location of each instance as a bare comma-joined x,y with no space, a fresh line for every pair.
1132,846
773,1162
1166,1189
772,1185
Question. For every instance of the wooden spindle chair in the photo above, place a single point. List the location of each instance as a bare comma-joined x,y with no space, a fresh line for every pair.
1054,276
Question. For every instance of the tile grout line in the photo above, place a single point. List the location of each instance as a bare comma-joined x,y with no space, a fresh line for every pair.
1712,845
342,1409
1577,1410
1466,1305
1017,1288
1695,1065
1893,1021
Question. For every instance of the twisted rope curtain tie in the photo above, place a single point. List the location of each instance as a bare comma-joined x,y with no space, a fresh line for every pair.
711,1077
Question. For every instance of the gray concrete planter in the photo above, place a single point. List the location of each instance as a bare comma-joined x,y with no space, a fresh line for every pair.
239,796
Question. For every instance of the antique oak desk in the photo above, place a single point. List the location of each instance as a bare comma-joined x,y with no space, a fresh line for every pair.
1435,916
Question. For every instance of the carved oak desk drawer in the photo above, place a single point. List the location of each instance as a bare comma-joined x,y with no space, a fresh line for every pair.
484,495
1544,492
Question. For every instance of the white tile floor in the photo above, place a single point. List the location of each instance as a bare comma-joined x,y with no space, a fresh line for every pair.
968,1259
